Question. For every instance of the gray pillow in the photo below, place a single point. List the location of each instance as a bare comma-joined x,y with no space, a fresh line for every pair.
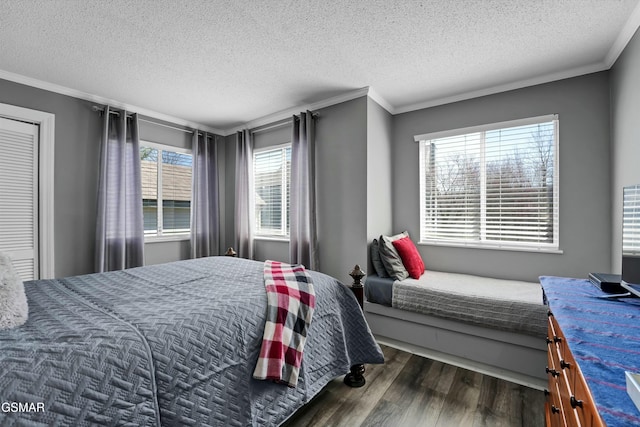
390,257
376,261
13,301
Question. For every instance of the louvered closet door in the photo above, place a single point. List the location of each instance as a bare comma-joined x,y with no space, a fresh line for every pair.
19,195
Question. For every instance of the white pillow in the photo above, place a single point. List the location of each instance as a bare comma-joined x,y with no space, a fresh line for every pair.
13,301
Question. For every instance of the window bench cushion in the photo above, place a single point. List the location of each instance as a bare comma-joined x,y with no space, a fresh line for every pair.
508,305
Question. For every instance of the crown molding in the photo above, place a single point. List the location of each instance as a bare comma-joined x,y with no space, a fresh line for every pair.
289,112
63,90
547,78
373,94
285,114
628,30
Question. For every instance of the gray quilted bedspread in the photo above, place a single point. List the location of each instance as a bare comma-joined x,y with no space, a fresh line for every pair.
507,305
172,344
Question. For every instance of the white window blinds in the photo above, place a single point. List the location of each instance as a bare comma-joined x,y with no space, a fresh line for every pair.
494,185
19,196
631,220
272,175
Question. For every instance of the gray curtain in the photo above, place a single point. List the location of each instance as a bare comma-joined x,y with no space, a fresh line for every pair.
244,210
303,237
205,209
120,227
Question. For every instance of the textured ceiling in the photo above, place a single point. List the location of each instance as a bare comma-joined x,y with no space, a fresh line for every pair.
224,63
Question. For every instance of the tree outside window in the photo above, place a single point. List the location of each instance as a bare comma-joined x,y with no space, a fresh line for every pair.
496,186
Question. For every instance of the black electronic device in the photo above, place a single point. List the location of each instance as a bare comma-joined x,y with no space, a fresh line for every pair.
609,283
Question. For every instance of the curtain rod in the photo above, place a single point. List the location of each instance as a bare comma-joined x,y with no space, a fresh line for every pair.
117,113
280,123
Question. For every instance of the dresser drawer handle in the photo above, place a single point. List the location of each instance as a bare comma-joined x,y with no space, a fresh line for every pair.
564,364
553,372
557,339
554,409
549,313
575,402
549,341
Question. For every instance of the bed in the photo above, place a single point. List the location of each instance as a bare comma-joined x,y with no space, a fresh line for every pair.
490,325
170,344
507,305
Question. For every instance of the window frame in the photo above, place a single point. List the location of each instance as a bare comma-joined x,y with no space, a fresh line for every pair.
285,204
553,247
159,235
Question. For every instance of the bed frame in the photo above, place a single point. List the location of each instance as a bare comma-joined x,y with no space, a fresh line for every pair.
507,355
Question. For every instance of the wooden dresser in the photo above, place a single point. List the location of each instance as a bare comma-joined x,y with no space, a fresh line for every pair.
569,401
591,343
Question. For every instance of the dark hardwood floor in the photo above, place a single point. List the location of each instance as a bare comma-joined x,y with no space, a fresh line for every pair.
409,390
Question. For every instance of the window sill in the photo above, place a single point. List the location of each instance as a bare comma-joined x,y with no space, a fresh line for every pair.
272,238
494,247
167,238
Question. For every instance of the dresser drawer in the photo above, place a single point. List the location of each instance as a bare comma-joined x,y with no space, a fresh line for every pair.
555,415
586,411
567,387
564,361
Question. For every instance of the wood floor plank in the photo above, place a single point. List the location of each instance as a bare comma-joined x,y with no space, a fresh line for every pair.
498,404
406,393
410,391
379,378
461,401
418,393
435,387
343,405
532,404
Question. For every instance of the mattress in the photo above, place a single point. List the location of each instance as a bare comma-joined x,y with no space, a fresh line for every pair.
171,344
508,305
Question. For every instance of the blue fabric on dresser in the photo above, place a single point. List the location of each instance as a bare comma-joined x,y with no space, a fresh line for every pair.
604,338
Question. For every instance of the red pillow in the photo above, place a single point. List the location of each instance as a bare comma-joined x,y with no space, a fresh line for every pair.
410,257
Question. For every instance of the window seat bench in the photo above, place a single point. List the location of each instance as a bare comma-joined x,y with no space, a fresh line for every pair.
493,326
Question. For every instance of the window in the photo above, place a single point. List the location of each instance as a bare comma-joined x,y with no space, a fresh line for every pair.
491,186
166,183
272,175
631,220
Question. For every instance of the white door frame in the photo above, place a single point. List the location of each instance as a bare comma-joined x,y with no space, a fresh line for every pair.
46,121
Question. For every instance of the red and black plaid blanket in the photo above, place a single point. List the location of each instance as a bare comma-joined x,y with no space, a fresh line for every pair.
290,304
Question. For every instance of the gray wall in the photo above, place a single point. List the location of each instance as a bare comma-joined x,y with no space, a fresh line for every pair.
341,144
625,136
341,156
77,130
368,174
230,194
585,214
77,146
161,252
379,173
